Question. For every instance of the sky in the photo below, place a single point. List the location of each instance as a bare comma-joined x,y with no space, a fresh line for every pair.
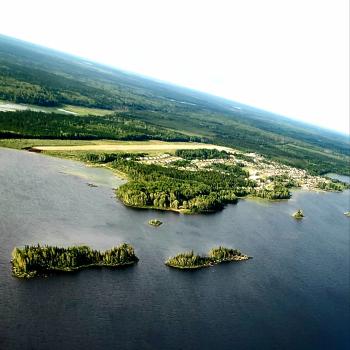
290,57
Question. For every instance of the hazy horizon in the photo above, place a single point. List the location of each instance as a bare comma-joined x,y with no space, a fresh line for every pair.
292,61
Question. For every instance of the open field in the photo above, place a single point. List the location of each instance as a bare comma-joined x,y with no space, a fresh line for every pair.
9,106
25,143
128,146
81,111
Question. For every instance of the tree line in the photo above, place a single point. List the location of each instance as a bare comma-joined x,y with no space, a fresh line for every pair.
191,260
33,124
36,260
203,153
168,188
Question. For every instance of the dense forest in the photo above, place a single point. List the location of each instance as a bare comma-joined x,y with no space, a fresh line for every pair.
190,154
277,191
192,192
32,124
33,74
218,255
32,261
334,185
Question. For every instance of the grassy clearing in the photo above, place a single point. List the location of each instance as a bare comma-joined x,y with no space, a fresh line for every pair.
81,111
23,143
36,143
75,149
129,146
66,109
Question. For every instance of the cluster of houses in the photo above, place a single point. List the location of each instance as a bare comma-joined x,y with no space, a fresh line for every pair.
262,171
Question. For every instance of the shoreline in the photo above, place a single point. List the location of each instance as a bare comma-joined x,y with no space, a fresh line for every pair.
122,176
210,263
75,269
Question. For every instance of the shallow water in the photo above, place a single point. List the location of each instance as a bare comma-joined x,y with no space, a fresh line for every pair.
294,294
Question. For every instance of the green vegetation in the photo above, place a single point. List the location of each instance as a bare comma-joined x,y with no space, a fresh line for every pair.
158,187
298,214
281,140
333,185
182,163
188,260
218,255
179,190
283,180
102,158
28,143
39,260
190,154
243,157
276,191
32,124
222,254
147,109
155,222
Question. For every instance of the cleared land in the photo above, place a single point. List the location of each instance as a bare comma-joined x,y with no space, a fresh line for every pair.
9,106
133,146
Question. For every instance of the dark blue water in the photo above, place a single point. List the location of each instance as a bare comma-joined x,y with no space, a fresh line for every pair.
294,294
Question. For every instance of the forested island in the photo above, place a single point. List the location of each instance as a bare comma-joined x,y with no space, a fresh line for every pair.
190,260
32,261
154,222
299,214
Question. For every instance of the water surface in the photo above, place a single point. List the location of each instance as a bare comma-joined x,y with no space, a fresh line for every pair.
294,294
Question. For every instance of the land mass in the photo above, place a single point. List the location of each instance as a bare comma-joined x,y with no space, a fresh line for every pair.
218,255
32,261
299,214
154,222
200,152
51,95
202,180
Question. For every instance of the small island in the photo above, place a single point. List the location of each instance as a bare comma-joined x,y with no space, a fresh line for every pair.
347,213
154,222
190,260
32,261
298,214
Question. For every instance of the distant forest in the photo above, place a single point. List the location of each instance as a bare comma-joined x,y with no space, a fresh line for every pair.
35,75
31,124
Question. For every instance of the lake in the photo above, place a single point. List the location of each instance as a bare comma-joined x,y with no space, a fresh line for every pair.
294,293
